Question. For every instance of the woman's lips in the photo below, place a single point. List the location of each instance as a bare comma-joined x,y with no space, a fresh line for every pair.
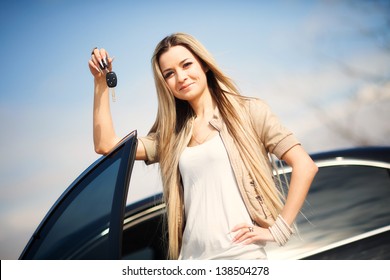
185,86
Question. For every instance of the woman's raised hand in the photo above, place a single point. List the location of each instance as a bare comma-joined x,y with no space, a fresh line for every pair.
100,60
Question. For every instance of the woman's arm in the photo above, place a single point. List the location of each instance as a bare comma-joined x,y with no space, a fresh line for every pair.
104,137
302,175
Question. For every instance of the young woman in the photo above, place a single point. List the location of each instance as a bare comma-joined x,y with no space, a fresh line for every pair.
213,147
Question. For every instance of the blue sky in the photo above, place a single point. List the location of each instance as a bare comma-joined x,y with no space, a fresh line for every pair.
290,53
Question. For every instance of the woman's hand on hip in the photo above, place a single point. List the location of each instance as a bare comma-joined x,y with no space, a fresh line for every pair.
249,234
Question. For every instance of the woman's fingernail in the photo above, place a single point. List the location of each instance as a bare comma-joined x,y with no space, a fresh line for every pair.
101,64
105,61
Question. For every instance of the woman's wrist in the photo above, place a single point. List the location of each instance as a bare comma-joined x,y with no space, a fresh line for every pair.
281,231
100,85
100,80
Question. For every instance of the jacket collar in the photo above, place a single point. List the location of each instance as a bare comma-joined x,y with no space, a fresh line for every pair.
217,121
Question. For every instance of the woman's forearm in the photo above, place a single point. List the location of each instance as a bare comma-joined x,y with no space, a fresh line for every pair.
104,136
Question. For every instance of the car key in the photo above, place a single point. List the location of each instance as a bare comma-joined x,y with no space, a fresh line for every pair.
112,81
111,78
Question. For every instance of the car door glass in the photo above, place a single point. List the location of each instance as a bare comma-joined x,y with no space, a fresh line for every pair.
343,202
144,235
80,228
350,200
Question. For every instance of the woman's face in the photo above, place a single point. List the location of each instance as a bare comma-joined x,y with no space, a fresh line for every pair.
183,73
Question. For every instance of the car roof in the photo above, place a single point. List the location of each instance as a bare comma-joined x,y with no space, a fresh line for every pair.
377,153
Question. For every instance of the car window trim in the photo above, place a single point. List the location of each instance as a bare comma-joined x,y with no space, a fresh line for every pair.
342,162
143,215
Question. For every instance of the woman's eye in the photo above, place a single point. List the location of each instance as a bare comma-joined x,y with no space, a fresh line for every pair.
168,75
187,64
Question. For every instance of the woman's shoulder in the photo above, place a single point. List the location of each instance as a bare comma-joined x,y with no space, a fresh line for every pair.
255,105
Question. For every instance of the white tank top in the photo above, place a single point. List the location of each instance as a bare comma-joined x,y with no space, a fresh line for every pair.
213,205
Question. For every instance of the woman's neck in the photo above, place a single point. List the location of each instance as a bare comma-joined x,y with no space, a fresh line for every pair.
204,107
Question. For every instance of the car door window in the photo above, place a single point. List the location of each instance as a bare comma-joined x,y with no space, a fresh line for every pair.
78,227
344,201
84,219
144,231
348,200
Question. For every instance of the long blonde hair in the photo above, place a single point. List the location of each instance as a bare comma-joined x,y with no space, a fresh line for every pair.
173,131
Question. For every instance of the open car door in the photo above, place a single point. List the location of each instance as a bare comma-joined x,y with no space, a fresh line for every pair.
86,222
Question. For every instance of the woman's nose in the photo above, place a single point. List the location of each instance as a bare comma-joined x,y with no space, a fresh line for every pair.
181,76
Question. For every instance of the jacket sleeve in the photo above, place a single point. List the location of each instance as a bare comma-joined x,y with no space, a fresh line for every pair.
276,138
150,144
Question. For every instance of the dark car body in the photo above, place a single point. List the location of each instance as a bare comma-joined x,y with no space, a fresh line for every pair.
346,214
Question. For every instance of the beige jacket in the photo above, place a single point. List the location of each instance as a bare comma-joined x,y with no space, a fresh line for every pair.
274,138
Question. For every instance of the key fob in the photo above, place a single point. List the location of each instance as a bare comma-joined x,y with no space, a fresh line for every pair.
111,79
